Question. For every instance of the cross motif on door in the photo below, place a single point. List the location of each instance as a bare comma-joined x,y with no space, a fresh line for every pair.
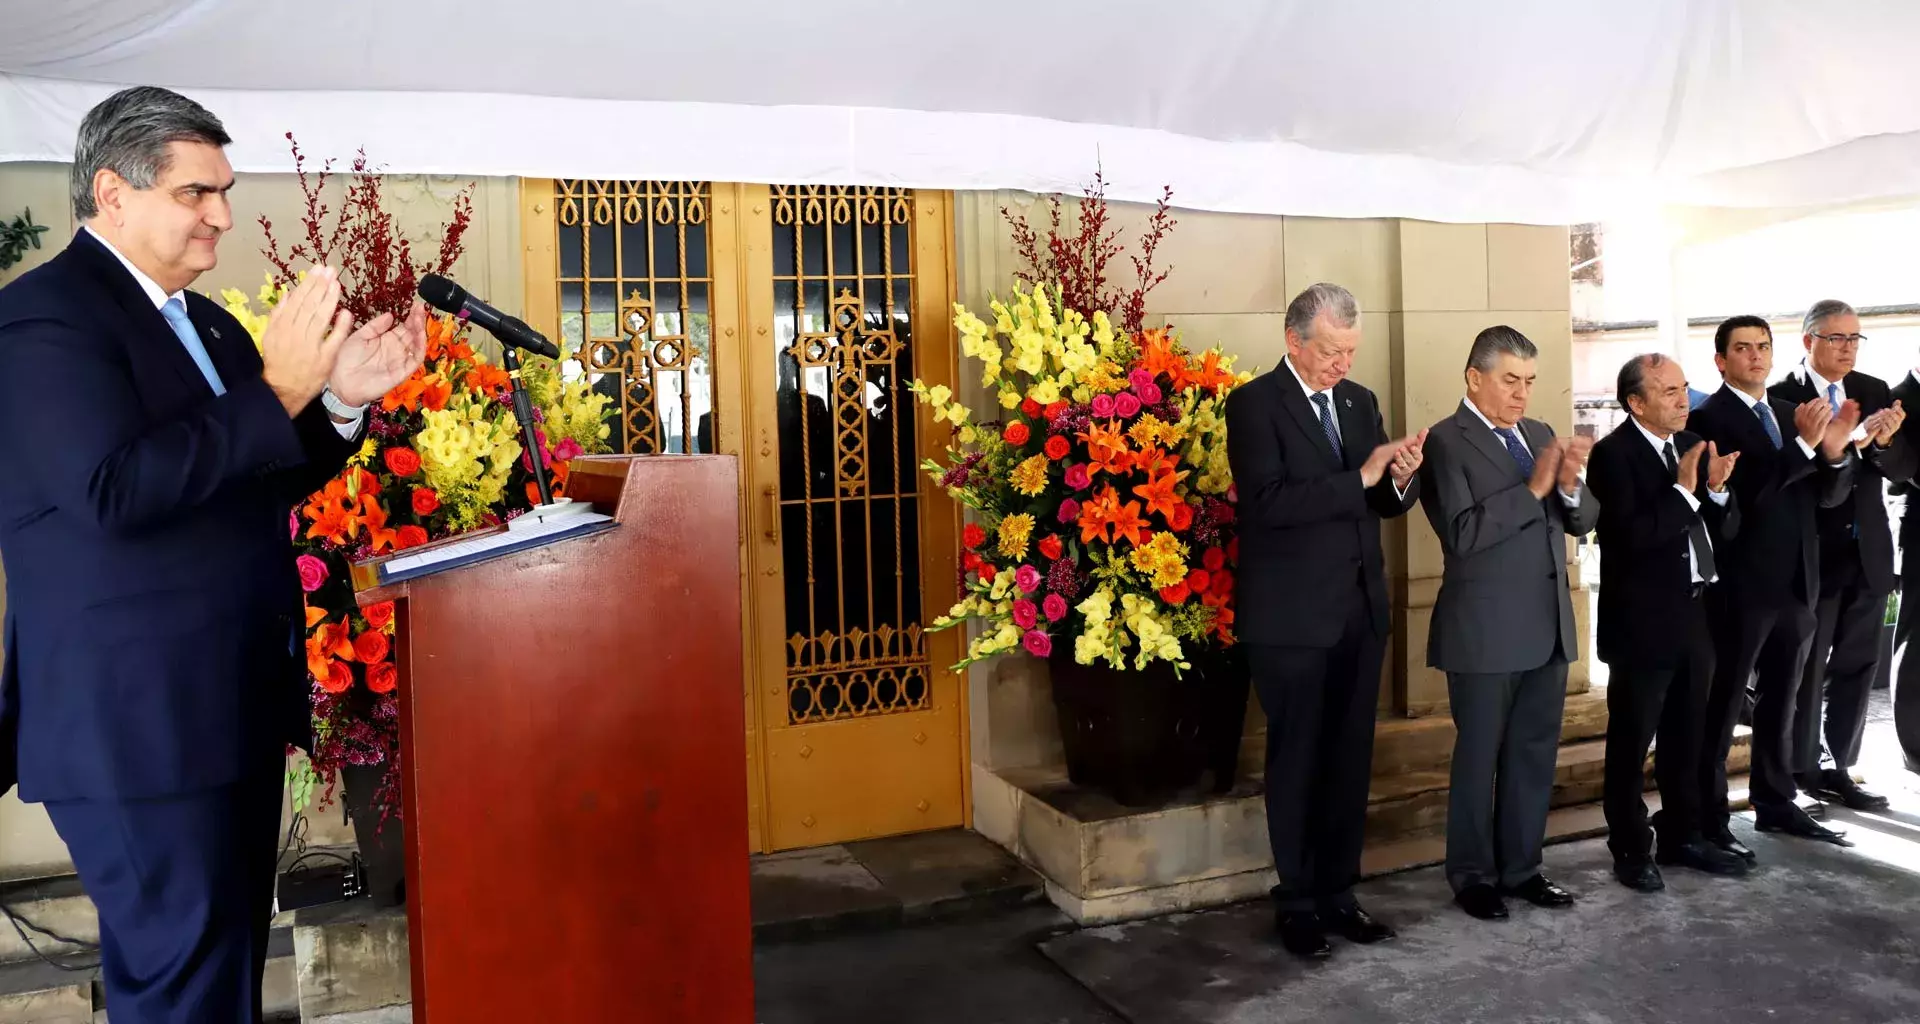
845,353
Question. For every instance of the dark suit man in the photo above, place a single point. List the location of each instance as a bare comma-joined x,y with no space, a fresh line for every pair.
149,462
1659,489
1856,560
1792,459
1906,684
1502,493
1316,474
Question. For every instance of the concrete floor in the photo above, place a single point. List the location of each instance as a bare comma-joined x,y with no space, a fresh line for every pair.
1817,934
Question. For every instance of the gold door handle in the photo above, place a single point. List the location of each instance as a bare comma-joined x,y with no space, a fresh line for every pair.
773,514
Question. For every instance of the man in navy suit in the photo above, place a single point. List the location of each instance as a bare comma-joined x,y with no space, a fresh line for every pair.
149,462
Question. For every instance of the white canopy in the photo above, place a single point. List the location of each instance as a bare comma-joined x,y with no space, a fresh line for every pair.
1470,110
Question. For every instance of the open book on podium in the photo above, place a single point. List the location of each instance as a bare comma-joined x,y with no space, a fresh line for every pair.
573,759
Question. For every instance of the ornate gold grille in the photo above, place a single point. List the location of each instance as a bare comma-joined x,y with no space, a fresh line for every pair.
849,506
635,288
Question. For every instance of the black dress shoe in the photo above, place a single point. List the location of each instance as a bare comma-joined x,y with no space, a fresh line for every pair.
1701,855
1793,821
1302,935
1726,842
1837,786
1541,893
1639,875
1482,901
1355,925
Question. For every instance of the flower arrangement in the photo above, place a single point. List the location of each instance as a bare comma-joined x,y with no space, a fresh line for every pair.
1103,503
442,455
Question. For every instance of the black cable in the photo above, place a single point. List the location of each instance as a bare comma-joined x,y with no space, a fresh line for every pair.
20,926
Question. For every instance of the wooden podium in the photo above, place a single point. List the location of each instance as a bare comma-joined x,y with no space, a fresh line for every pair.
574,762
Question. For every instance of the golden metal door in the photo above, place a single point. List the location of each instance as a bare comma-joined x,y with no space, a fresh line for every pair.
782,325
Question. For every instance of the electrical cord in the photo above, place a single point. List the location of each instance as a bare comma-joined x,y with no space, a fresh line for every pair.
21,926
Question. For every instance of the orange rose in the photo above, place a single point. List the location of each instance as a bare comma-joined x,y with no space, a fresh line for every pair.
339,678
1176,594
382,678
370,647
410,537
1058,447
380,616
402,461
425,501
1016,434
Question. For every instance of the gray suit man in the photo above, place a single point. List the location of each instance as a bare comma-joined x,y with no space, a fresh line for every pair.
1502,492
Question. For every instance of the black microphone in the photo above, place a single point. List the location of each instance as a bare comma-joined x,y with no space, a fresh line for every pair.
448,297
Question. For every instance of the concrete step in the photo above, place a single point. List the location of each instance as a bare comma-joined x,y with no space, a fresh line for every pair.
65,988
1411,745
1415,803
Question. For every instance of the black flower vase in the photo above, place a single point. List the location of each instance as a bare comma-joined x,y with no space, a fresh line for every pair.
383,849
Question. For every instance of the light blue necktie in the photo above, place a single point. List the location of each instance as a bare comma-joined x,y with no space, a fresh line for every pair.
176,313
1833,398
1766,420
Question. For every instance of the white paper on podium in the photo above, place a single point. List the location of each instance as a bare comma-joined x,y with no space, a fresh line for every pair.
526,532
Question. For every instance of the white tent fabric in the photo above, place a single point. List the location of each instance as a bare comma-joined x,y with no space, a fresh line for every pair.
1509,110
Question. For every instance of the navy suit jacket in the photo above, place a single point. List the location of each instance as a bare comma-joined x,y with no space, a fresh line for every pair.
152,600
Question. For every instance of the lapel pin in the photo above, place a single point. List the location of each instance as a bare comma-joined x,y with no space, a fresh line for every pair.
215,331
1349,403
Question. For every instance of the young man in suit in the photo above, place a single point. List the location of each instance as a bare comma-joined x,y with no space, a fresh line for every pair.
1316,474
1502,493
1658,488
153,604
1792,460
1856,559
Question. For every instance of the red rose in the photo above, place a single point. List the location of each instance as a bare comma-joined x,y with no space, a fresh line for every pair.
1182,517
1176,594
402,461
970,561
425,501
986,572
1222,583
1058,446
1199,579
380,616
973,536
1051,547
1030,408
1233,550
1057,408
382,678
1016,434
1215,559
370,647
410,537
339,678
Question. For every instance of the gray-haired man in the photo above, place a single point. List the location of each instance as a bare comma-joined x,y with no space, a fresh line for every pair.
1502,493
1856,559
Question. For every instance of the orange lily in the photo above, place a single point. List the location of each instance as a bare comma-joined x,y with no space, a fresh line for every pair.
1096,514
406,395
1157,355
1107,447
373,516
1129,526
1158,491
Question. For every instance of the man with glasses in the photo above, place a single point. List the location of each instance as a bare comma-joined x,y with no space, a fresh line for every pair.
1856,558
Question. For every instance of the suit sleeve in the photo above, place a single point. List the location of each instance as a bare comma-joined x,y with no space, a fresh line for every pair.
1899,461
1466,526
1639,522
1254,454
1386,500
1580,518
75,420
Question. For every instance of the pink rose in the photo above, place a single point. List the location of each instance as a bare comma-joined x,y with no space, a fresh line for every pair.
1027,578
1233,494
1140,378
1055,607
1103,406
313,572
1069,510
568,449
1150,394
1037,643
1126,407
1078,478
293,524
1025,614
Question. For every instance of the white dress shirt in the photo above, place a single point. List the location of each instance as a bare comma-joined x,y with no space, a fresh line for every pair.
1333,411
160,298
1572,498
1753,402
1718,497
1820,386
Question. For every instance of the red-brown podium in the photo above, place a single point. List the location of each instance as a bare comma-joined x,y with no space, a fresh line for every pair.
574,763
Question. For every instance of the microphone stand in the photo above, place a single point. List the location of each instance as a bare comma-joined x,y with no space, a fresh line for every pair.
523,411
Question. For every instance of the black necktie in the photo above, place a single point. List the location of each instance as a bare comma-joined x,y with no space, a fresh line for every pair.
1697,530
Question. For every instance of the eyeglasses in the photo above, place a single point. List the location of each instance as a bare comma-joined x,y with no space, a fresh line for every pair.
1842,340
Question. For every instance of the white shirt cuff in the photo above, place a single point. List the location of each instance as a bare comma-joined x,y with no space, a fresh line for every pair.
335,407
1572,498
1399,491
1717,497
1804,446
